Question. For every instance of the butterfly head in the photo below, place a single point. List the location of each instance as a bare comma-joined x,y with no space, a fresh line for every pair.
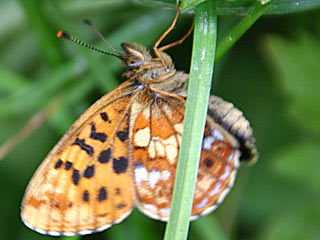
135,56
146,68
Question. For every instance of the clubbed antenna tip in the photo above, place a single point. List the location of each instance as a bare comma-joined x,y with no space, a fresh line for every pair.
62,34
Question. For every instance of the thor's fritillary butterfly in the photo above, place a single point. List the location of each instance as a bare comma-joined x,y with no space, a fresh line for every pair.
122,153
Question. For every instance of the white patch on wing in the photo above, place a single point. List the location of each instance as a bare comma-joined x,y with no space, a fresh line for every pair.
217,134
215,190
226,173
154,177
165,175
140,174
150,207
207,142
165,211
230,157
83,232
202,204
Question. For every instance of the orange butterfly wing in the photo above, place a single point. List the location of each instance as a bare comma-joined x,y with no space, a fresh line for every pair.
85,183
155,144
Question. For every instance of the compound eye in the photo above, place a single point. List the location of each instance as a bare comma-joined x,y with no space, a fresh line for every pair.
134,62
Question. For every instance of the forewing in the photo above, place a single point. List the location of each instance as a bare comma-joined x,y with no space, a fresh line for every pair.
156,142
85,183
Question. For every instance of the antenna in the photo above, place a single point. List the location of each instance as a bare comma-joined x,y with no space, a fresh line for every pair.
88,22
62,34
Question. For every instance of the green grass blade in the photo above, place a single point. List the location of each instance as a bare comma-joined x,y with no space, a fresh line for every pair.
196,108
228,41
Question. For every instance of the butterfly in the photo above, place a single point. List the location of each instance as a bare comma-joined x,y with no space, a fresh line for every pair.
122,153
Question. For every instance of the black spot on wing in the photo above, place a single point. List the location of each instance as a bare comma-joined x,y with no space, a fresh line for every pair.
85,196
89,172
100,136
85,147
58,164
102,194
138,148
75,177
120,165
105,117
208,162
118,191
123,135
105,156
121,205
67,165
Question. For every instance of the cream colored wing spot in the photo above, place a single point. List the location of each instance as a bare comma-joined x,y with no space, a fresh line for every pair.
205,182
142,137
163,148
156,148
160,149
179,128
171,147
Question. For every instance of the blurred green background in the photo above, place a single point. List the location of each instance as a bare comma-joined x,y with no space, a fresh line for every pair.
272,74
